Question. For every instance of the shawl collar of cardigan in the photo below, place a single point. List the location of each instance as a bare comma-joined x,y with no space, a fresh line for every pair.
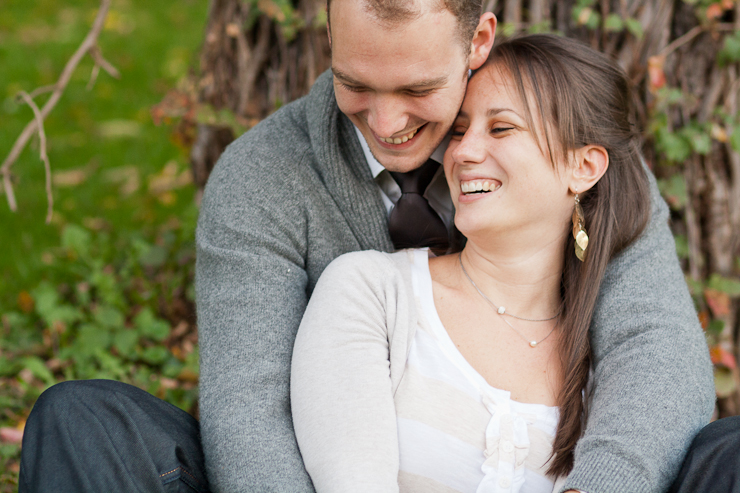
343,168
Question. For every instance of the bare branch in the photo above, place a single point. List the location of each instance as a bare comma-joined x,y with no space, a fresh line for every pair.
678,42
93,76
42,151
42,90
100,61
87,45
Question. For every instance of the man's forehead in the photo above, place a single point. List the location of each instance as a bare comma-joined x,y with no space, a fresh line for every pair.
392,15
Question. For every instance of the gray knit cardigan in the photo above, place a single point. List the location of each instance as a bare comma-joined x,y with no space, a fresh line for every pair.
294,193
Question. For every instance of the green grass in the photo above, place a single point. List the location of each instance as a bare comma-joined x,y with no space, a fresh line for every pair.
106,133
105,291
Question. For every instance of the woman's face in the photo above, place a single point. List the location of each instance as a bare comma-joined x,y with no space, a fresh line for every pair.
500,180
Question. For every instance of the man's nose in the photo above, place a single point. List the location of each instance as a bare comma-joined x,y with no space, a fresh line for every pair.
387,116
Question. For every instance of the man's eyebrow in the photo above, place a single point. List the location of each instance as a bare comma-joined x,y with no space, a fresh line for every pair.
424,83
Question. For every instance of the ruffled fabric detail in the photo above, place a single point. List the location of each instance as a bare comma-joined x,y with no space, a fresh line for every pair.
507,445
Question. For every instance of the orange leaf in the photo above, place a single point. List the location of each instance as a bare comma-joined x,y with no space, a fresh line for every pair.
715,11
722,357
704,319
25,302
656,73
718,301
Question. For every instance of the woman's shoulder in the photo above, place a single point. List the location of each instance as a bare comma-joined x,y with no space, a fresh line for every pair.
371,267
371,260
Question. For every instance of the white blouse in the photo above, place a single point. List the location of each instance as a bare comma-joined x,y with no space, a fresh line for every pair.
457,433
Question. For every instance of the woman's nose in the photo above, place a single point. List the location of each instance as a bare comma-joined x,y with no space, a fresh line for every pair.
470,149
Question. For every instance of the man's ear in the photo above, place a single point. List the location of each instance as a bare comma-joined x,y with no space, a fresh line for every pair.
328,32
482,42
591,162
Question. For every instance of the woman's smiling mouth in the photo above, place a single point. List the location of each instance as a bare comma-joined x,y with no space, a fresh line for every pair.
479,186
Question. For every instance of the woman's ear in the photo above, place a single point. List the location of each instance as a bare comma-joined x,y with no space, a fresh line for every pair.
591,162
482,42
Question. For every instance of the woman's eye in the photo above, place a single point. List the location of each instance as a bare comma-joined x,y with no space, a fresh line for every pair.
498,130
457,133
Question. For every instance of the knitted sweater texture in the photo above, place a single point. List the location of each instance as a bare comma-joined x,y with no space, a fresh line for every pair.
294,193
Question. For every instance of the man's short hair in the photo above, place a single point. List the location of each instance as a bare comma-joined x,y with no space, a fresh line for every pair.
395,13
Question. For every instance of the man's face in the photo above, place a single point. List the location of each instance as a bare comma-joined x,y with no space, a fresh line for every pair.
402,86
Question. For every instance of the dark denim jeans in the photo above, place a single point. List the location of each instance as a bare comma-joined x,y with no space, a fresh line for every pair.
106,436
713,461
103,436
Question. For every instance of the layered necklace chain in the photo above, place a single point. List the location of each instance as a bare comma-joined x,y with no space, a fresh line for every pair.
502,311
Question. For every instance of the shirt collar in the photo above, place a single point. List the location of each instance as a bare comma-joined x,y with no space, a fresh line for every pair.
376,168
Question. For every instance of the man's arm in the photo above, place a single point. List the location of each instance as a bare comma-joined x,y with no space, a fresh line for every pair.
251,294
653,386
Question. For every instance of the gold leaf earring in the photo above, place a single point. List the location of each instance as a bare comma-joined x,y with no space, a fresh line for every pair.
579,229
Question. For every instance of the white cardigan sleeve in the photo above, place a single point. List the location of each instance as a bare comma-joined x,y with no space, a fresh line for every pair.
341,386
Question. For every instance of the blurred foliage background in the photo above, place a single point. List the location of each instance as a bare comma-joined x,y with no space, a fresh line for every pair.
105,290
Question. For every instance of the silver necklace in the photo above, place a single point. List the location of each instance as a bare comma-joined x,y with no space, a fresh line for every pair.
502,311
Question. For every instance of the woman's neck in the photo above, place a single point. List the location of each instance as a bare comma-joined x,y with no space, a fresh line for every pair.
523,278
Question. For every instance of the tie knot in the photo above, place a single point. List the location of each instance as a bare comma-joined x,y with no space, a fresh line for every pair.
416,181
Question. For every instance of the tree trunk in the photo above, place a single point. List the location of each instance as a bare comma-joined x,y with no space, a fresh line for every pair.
255,58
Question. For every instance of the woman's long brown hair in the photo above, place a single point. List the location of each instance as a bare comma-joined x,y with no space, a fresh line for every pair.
581,97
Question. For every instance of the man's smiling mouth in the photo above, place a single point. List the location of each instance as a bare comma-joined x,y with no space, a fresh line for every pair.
479,186
402,139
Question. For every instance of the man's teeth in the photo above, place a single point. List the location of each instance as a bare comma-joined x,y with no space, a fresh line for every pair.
401,139
479,186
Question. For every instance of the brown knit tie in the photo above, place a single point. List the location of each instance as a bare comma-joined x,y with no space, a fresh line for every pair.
413,223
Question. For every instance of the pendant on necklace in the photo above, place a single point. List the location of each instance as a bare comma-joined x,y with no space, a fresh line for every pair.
533,343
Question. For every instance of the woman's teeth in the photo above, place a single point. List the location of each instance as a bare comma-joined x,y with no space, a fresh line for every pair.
401,139
479,186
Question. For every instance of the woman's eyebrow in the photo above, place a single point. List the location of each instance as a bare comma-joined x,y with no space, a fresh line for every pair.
495,111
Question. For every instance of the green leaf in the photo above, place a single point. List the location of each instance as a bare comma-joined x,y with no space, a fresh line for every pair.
38,369
8,367
108,288
675,147
150,326
715,327
507,29
724,382
682,246
155,256
172,367
76,239
634,27
724,285
701,142
125,341
593,20
111,365
673,190
155,355
92,338
613,23
735,138
109,317
730,51
50,307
